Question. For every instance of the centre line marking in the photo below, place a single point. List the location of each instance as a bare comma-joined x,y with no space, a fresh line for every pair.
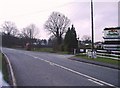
89,77
96,82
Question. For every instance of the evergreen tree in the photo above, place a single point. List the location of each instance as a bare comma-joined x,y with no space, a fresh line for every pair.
74,37
67,40
70,41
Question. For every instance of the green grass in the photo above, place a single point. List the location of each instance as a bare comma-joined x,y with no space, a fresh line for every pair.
50,50
43,49
0,62
100,59
63,52
110,55
5,69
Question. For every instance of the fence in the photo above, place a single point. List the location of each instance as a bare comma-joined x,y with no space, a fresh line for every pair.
108,54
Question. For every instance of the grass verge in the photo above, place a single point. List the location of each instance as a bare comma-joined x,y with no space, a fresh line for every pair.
0,62
50,50
100,59
43,50
4,68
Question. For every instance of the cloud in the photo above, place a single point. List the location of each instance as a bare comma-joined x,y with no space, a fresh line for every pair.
106,15
33,11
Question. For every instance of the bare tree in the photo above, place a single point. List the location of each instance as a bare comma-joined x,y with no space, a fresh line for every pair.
9,28
30,31
57,24
86,38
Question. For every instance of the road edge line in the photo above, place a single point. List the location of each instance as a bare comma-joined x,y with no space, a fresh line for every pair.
11,71
76,72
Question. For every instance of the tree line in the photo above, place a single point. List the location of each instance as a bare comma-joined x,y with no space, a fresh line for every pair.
12,37
63,36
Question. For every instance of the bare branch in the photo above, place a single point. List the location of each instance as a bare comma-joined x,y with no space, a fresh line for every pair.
57,24
9,28
30,31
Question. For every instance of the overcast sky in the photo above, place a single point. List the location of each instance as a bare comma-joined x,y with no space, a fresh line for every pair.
25,12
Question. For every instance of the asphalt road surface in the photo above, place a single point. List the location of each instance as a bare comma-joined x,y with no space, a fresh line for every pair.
49,69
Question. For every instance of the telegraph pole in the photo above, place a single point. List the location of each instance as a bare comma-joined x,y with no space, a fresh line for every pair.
92,26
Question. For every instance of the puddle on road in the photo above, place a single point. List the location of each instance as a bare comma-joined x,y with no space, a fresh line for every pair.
2,82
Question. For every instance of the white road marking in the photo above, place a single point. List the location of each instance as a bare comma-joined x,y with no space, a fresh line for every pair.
11,71
35,57
88,77
68,59
96,82
52,64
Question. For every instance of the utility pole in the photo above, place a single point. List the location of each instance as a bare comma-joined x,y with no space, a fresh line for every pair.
92,26
30,39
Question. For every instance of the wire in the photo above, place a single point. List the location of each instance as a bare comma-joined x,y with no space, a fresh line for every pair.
37,12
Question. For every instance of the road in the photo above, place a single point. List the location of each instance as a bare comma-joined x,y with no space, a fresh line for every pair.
49,69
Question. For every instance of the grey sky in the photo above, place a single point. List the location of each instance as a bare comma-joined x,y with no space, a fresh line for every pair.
24,12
